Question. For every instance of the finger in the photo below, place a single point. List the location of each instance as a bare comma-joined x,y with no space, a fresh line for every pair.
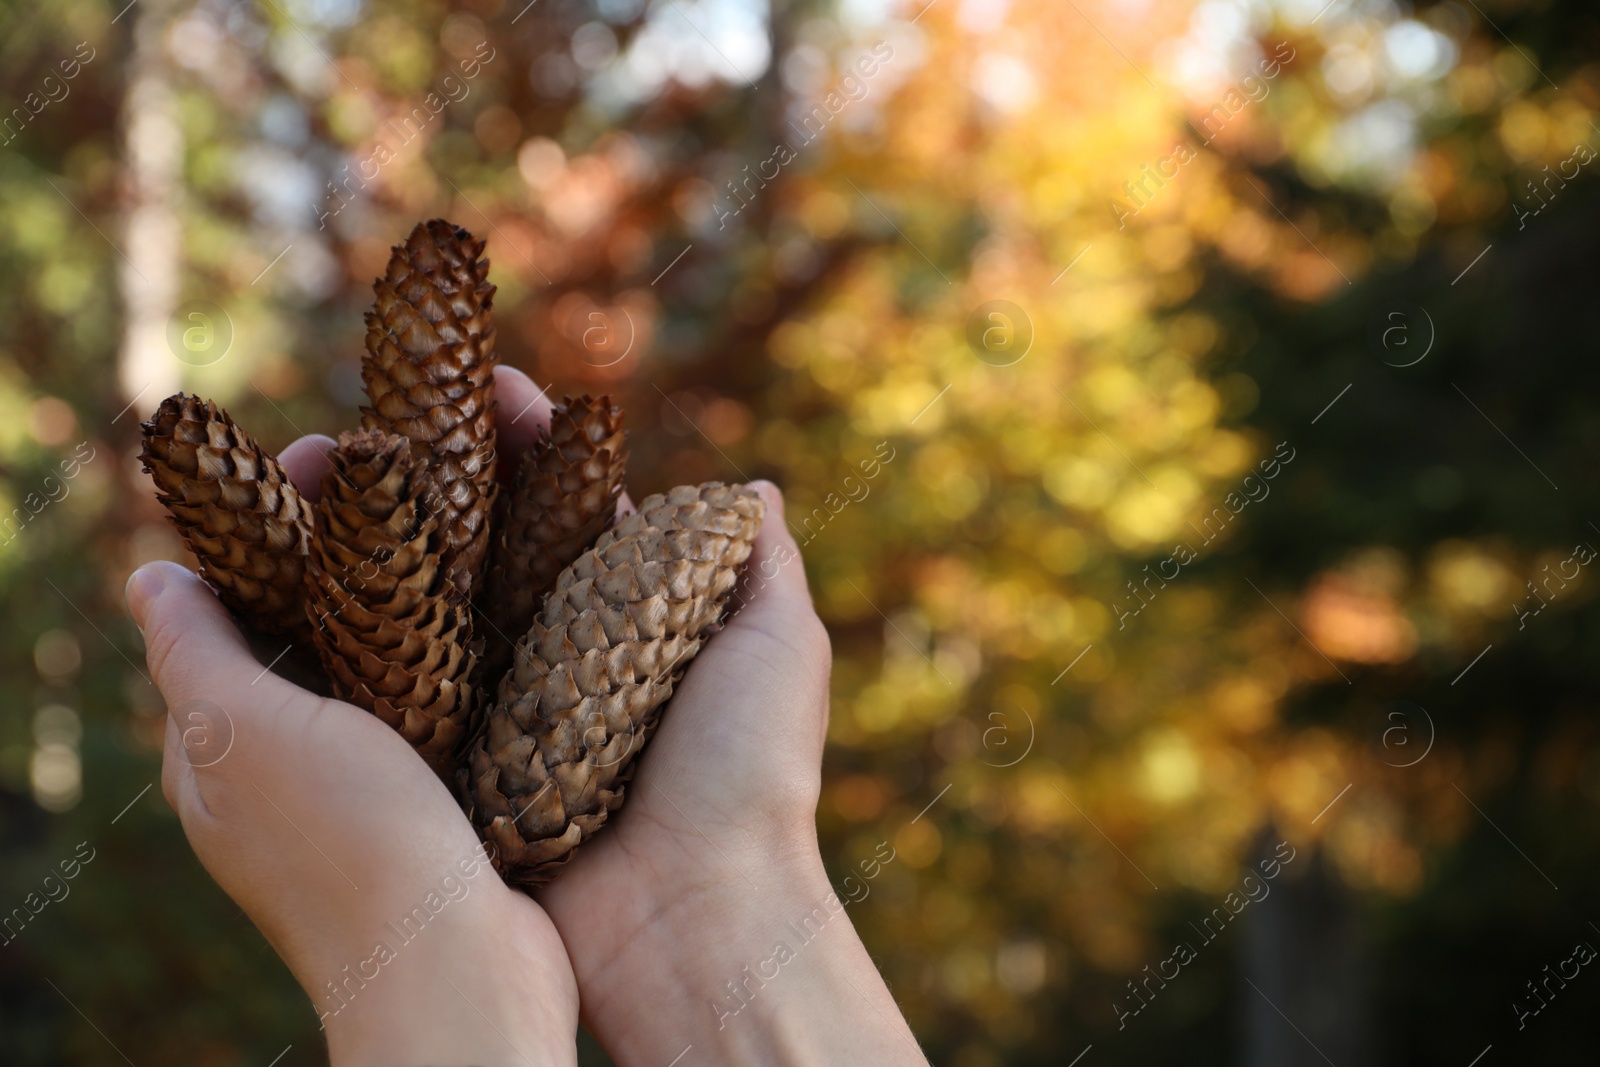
196,653
178,782
305,461
769,668
523,416
203,667
774,583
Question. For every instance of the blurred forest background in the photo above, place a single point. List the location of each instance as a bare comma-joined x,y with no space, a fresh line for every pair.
1083,266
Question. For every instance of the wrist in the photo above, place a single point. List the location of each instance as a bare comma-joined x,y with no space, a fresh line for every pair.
755,962
492,988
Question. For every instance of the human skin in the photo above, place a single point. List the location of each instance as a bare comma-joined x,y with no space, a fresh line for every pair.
325,828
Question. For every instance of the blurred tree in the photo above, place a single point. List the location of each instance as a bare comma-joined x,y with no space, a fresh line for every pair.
1069,330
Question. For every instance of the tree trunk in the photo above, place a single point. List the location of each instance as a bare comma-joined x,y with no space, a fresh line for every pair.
1301,954
152,235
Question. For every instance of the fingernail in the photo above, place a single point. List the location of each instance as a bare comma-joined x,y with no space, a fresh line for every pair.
143,586
770,493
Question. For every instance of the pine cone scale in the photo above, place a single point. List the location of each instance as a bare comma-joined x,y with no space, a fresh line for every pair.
589,681
392,636
235,508
429,375
563,498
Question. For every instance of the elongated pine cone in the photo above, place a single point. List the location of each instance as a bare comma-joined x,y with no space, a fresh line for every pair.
235,509
392,632
597,666
429,374
564,497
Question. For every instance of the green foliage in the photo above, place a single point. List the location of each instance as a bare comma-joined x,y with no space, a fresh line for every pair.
980,527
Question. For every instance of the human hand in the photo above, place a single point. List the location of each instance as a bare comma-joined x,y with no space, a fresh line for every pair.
346,851
689,886
682,896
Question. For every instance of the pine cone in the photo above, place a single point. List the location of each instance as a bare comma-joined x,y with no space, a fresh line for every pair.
429,372
564,497
392,632
595,669
236,510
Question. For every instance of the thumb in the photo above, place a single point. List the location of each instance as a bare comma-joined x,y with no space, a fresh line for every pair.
773,586
750,718
191,643
212,684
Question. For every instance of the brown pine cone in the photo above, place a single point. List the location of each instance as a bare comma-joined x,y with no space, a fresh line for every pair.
392,632
595,669
235,509
429,373
564,497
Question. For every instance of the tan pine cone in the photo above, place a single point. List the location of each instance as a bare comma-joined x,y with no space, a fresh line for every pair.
595,669
429,374
392,632
235,509
564,497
